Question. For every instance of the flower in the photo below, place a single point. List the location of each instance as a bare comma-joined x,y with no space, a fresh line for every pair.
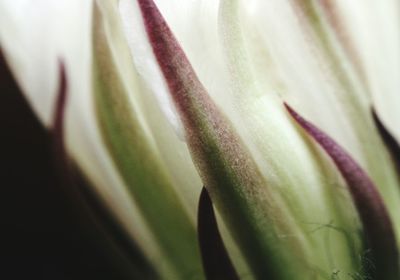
165,97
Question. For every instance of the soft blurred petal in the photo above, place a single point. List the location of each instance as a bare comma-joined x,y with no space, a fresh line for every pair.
373,27
126,133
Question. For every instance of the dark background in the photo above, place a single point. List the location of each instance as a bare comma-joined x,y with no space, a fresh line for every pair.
50,228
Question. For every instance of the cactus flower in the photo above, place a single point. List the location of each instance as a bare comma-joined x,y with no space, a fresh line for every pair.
224,139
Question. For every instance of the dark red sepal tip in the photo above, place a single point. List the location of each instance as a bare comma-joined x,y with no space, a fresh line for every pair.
374,216
392,145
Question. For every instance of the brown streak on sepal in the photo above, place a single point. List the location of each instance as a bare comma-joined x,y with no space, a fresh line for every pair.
371,208
210,135
187,91
215,258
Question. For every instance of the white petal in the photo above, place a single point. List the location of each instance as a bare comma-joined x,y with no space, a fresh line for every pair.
375,28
